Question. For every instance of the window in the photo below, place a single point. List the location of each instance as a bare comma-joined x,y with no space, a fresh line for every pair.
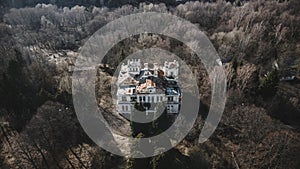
149,99
152,99
124,99
144,98
133,99
170,99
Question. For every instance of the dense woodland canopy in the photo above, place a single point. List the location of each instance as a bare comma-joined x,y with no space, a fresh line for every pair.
258,42
99,3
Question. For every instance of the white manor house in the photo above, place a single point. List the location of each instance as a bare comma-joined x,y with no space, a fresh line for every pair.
148,86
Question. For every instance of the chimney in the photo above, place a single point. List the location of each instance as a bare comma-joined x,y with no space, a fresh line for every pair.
166,64
155,69
146,66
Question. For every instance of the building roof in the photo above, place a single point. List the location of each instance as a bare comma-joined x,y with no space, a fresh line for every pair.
172,91
148,79
142,88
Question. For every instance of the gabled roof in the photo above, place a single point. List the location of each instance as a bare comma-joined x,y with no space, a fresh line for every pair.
126,79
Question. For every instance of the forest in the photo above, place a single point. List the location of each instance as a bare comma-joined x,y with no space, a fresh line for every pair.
98,3
259,45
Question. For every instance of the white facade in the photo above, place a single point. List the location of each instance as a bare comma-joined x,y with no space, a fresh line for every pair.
171,69
142,86
134,66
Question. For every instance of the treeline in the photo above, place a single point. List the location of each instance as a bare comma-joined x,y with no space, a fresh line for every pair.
87,3
261,29
98,3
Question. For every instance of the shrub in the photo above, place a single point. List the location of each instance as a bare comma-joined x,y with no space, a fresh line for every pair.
268,85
